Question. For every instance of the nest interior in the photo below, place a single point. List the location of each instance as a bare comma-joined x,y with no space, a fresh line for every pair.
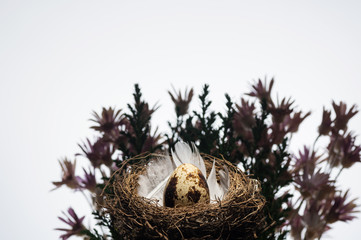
239,215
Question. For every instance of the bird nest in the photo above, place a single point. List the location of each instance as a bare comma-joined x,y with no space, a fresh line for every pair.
239,215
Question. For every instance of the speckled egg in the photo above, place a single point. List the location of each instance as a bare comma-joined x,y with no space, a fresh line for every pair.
186,186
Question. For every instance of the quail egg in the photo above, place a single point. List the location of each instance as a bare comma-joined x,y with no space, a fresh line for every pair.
186,186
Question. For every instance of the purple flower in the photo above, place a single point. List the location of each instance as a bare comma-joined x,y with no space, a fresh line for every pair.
181,104
74,222
284,123
306,161
334,149
342,117
151,142
244,120
311,184
89,181
98,153
340,210
281,111
342,150
325,126
279,130
296,226
350,152
313,220
68,175
261,91
108,121
293,122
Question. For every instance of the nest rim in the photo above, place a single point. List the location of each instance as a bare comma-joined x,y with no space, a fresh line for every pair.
239,215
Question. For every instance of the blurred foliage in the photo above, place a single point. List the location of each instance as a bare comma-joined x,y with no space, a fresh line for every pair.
302,194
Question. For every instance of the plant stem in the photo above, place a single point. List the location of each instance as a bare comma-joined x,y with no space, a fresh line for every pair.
314,143
339,173
87,199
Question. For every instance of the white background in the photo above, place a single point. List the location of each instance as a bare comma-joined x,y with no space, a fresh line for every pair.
60,60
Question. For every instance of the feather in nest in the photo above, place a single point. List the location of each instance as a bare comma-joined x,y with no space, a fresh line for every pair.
154,180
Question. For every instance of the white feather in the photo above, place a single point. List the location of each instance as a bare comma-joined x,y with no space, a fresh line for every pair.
153,181
224,179
157,192
218,191
214,188
198,161
175,159
184,154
